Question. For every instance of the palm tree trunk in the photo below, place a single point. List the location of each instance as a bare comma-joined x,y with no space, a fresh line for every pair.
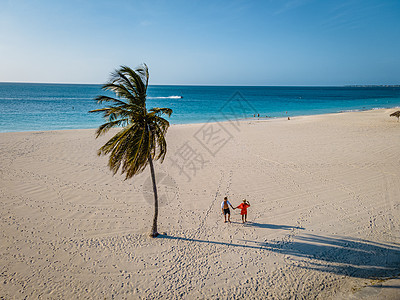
154,232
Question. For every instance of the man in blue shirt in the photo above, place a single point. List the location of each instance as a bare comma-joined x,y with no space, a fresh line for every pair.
225,209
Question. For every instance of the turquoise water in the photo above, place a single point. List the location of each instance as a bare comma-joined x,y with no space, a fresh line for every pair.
27,106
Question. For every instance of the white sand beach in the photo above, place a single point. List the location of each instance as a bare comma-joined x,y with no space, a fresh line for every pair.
324,220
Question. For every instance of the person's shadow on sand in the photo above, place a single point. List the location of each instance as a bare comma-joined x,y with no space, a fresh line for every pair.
342,255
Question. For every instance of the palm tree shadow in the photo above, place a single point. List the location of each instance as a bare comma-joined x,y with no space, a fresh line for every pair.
342,255
339,255
271,226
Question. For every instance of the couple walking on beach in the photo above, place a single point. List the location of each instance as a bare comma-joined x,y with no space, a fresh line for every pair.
226,211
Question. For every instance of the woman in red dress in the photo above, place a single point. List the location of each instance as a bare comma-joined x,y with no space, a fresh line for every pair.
243,206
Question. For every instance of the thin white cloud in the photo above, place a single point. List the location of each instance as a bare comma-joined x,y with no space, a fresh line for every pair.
291,5
351,15
145,23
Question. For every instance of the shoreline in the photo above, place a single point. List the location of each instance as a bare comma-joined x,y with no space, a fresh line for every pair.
324,217
227,121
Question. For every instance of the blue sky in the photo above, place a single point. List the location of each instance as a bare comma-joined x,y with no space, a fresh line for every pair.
271,42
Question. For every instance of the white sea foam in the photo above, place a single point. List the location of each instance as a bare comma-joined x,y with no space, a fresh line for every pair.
349,110
168,97
365,109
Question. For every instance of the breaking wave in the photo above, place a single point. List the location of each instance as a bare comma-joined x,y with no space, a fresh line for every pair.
168,97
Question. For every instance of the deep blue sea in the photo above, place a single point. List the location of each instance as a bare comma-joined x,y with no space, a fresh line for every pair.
30,106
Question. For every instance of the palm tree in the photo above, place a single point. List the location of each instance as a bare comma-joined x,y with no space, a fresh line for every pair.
142,138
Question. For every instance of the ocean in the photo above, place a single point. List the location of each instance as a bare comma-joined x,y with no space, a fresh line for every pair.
37,107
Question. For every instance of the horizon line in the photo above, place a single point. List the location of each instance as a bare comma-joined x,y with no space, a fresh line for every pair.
209,85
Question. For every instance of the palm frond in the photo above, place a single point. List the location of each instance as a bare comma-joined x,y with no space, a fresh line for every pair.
161,143
160,111
395,114
120,90
138,79
112,113
120,77
143,133
101,99
137,154
104,128
158,127
143,72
